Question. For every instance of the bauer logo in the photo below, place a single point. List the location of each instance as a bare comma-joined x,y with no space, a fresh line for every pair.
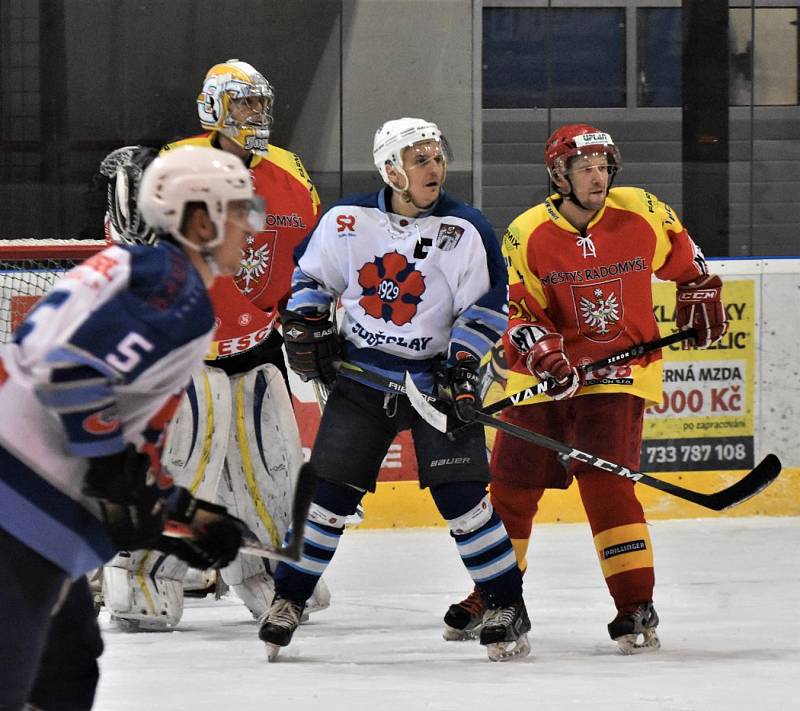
627,547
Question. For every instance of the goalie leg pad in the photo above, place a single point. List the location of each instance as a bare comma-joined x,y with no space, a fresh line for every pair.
264,453
143,590
198,436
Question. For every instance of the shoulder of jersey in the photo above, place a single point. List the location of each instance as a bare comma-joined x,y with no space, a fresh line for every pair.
450,207
285,160
202,139
166,285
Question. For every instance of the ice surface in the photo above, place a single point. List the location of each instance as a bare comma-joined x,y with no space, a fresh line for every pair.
727,592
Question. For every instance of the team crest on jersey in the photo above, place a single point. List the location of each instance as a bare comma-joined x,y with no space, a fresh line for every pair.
599,310
448,236
392,288
256,264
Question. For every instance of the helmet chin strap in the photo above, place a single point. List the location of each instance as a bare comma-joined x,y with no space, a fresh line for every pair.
405,193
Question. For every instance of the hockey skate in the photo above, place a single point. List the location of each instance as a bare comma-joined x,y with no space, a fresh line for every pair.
504,632
464,619
278,625
634,629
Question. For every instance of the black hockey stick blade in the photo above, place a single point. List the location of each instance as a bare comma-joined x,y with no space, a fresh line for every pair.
250,545
291,550
751,484
303,495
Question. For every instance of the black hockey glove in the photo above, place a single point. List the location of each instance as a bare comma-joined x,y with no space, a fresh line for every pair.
463,379
312,345
129,497
217,534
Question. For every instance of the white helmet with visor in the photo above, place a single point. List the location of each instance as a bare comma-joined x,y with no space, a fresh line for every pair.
192,174
396,135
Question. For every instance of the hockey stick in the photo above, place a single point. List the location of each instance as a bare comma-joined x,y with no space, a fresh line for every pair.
632,352
289,551
753,482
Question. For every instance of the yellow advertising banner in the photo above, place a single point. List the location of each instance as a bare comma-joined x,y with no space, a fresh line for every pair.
705,419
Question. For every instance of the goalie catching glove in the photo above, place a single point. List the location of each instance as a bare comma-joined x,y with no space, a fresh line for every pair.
698,305
547,360
312,345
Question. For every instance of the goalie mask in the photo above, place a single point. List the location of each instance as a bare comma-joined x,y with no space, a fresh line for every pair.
123,168
395,136
193,174
237,101
579,139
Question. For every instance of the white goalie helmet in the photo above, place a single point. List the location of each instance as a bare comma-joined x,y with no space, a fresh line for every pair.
192,174
237,101
396,135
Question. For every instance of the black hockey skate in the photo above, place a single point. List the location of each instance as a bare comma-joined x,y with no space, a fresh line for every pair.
464,619
278,625
504,632
634,629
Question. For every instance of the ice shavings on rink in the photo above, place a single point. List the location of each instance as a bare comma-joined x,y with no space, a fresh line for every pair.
727,592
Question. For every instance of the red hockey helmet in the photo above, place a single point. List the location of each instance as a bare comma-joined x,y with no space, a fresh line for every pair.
578,139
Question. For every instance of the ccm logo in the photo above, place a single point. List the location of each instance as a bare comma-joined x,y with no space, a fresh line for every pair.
699,295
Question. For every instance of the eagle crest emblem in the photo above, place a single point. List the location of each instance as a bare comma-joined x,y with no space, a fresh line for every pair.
599,310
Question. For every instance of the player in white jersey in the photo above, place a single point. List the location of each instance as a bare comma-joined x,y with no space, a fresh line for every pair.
87,386
422,286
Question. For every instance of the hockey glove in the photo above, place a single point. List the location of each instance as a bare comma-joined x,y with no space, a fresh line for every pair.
129,497
312,345
547,359
698,305
217,534
464,380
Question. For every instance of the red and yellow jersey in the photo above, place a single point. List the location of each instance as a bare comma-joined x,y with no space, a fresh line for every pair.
594,288
247,304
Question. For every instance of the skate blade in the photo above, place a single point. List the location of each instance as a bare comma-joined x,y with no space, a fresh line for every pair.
272,652
506,651
631,644
451,634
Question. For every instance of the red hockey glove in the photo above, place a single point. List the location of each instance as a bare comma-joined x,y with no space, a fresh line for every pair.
547,359
698,305
312,345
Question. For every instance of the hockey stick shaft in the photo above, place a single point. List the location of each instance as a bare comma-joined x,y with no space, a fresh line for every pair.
289,551
632,352
753,482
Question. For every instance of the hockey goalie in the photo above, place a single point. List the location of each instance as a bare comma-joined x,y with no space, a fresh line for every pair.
234,439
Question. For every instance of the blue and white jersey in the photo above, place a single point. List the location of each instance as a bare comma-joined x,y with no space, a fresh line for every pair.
412,290
99,363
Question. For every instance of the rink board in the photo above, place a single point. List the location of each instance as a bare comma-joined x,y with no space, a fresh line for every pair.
402,504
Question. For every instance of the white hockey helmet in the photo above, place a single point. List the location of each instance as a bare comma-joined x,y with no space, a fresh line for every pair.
191,174
231,83
397,134
124,167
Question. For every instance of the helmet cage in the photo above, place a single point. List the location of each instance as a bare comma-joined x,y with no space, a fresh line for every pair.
224,86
